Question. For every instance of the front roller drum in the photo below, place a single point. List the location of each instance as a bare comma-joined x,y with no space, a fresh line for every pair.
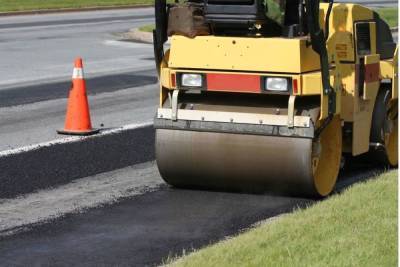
250,163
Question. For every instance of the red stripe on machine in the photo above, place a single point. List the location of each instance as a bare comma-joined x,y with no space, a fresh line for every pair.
372,72
173,80
234,83
295,87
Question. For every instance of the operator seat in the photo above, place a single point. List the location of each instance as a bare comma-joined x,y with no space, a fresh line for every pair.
239,17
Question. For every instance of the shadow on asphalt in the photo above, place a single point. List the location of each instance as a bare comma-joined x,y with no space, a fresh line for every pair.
357,170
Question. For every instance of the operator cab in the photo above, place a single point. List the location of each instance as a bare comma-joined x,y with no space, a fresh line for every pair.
274,18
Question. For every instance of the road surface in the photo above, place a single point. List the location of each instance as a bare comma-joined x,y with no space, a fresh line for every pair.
37,53
43,47
126,214
148,223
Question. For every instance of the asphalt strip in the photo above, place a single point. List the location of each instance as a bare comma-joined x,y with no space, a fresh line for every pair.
77,196
146,229
31,168
28,94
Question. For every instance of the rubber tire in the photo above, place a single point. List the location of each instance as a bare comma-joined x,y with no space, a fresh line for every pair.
378,155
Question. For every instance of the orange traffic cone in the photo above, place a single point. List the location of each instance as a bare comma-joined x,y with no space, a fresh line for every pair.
77,121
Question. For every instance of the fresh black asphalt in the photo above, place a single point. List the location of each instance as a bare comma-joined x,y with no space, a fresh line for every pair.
145,230
58,164
96,85
142,231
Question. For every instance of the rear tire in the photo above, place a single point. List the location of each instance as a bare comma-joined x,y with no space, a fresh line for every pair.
384,117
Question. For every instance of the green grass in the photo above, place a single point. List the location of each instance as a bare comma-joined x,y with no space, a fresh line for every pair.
390,15
26,5
355,228
147,28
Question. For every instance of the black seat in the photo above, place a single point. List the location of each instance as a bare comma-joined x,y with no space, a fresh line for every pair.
239,17
233,17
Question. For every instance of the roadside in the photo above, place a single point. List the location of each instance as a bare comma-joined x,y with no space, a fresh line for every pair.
144,33
29,7
390,15
357,228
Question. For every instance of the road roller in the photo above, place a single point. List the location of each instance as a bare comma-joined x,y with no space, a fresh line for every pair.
269,96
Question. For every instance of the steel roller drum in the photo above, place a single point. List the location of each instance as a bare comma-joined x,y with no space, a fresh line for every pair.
235,162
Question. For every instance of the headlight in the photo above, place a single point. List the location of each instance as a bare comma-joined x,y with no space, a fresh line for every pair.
192,80
276,84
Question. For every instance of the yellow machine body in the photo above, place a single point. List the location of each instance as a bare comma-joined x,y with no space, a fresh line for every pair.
293,58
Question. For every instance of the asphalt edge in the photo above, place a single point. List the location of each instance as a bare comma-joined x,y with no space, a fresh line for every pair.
68,10
28,169
138,36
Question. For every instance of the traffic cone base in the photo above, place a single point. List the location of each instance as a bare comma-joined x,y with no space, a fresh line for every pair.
77,121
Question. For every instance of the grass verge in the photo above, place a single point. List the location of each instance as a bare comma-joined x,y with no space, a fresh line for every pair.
390,15
147,28
355,228
28,5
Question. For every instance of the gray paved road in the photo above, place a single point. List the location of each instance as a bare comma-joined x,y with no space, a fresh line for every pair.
40,48
37,53
37,122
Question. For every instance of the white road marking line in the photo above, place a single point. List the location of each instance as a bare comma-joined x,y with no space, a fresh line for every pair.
72,139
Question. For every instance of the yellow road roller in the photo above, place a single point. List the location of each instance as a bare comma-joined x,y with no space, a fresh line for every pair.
268,96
